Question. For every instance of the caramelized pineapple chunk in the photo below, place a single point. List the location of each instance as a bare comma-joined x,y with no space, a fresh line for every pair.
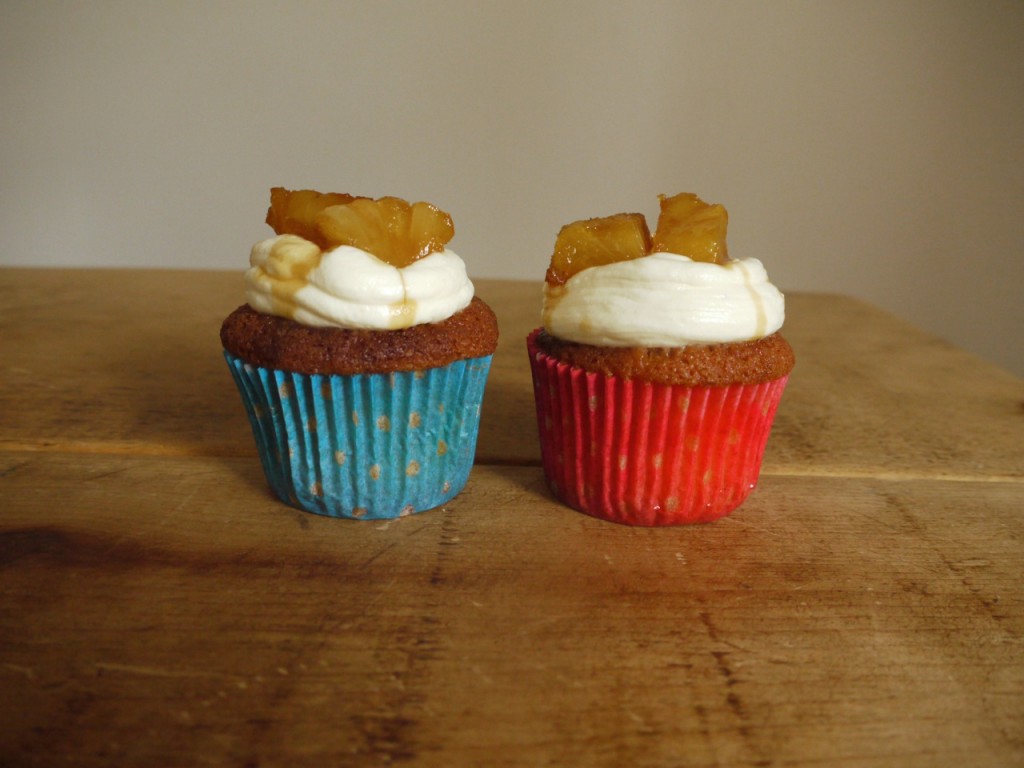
293,212
390,228
686,225
690,227
595,242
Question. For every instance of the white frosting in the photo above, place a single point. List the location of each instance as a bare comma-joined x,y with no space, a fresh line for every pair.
664,300
350,288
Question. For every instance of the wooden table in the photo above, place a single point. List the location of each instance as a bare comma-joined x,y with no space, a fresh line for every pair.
864,607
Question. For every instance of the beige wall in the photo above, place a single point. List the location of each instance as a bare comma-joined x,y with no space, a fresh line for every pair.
872,148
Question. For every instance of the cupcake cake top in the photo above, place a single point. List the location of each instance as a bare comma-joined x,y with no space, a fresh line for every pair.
611,283
352,262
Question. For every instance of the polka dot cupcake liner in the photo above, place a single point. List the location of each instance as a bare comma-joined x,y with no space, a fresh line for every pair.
371,446
648,454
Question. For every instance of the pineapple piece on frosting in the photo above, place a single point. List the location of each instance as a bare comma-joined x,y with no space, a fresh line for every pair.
690,227
293,212
595,242
686,226
393,230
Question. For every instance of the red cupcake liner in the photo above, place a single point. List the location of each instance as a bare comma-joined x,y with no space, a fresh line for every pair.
639,453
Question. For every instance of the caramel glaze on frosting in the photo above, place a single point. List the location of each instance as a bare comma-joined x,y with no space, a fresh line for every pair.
741,362
269,341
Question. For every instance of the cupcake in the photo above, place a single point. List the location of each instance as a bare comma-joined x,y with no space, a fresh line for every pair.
658,367
361,355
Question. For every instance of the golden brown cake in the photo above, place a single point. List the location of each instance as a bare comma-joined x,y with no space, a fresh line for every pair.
745,362
277,342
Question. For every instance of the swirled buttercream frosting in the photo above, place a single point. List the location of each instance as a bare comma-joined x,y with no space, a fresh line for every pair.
664,300
347,287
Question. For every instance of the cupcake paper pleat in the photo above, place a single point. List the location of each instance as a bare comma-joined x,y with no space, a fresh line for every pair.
367,446
649,454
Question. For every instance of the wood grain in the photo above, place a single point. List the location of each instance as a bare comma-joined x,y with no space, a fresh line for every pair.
158,607
175,609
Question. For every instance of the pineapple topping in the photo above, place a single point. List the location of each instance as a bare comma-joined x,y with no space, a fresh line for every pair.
396,232
686,225
594,242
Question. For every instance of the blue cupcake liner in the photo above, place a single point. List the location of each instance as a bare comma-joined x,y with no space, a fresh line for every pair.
368,446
